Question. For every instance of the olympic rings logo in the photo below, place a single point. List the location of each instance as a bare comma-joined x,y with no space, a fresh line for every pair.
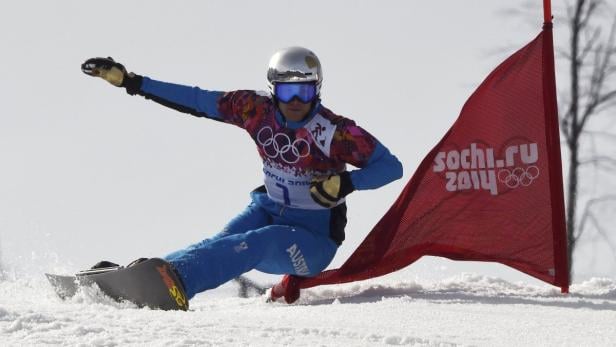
518,176
280,144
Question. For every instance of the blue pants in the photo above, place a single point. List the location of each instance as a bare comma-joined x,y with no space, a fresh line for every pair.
266,236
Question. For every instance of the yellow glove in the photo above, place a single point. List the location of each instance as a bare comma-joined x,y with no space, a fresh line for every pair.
327,191
107,69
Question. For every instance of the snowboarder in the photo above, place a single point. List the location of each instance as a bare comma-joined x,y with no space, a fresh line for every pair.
295,221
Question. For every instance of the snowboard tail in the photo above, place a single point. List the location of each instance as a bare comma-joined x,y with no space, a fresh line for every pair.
150,283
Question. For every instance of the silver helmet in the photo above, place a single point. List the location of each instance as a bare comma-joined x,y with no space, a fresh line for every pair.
294,64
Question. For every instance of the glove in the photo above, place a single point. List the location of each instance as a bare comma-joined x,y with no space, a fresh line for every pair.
107,69
327,191
114,73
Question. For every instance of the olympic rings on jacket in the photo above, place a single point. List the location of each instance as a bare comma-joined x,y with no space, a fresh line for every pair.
280,144
518,176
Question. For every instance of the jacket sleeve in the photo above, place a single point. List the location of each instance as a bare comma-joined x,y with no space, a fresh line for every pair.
381,168
235,107
376,165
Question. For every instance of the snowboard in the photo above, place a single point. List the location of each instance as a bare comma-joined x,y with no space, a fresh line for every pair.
150,283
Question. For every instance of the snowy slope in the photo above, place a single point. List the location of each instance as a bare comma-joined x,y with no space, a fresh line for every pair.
464,310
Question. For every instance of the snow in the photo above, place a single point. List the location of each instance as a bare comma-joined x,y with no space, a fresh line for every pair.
468,309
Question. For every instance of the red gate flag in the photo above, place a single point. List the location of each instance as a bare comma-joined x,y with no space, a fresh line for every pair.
490,190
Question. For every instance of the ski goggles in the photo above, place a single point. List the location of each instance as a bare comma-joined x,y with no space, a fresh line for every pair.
305,92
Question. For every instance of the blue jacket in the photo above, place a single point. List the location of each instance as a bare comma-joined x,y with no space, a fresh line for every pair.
292,152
